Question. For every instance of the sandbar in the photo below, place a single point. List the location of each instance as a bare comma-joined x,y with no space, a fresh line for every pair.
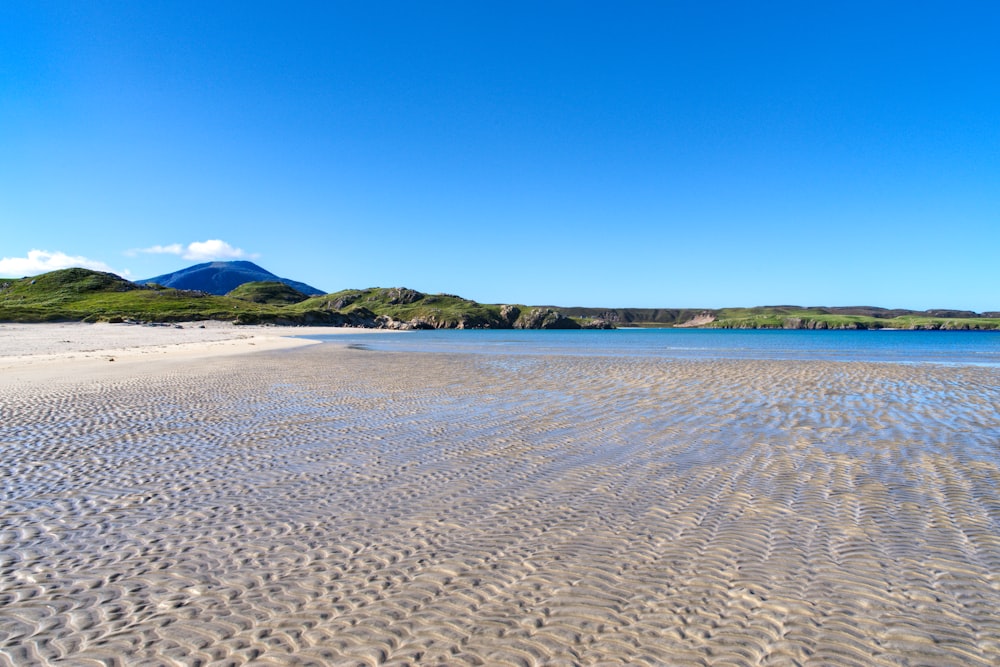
49,351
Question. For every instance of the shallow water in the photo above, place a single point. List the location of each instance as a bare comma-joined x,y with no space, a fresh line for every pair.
332,506
943,347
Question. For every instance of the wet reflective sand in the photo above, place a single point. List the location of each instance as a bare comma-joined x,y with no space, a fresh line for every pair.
328,506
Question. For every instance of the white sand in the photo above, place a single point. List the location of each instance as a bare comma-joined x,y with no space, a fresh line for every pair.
52,351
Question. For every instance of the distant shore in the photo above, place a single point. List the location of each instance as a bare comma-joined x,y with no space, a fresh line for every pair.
76,294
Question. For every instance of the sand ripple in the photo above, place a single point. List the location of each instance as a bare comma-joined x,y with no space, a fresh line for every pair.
327,506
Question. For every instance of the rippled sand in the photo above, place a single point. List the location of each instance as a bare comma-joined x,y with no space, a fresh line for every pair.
328,506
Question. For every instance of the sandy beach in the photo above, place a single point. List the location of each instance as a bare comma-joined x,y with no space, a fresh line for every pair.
73,350
234,496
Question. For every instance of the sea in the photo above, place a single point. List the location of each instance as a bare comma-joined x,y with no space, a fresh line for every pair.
977,348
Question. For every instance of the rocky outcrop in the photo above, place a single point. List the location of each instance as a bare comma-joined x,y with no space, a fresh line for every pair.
544,318
341,302
509,314
511,317
402,295
434,321
360,317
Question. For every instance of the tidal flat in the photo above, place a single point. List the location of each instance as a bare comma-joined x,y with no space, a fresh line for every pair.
333,506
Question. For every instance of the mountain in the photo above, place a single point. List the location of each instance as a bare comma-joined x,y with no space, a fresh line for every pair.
223,277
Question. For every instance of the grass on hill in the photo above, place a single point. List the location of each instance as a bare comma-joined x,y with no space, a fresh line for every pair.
790,317
400,303
270,292
81,294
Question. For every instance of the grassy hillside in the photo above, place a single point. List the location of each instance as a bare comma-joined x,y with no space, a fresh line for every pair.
271,291
437,310
81,294
793,317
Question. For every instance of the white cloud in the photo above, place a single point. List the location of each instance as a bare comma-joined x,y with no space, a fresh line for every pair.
172,249
41,261
213,249
204,251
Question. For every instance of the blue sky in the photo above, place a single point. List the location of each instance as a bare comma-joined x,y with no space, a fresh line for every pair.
600,154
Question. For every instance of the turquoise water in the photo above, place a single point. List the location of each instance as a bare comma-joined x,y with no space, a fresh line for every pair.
953,347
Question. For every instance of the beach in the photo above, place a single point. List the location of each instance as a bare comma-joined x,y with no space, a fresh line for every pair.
239,495
74,350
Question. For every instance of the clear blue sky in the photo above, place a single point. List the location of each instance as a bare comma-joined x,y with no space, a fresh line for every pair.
599,154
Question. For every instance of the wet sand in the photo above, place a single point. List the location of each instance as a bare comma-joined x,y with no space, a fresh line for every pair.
333,506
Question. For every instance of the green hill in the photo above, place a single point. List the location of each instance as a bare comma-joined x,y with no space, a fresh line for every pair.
793,317
84,295
406,305
270,291
434,311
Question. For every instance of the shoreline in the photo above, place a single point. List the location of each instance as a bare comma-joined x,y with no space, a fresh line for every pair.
47,352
